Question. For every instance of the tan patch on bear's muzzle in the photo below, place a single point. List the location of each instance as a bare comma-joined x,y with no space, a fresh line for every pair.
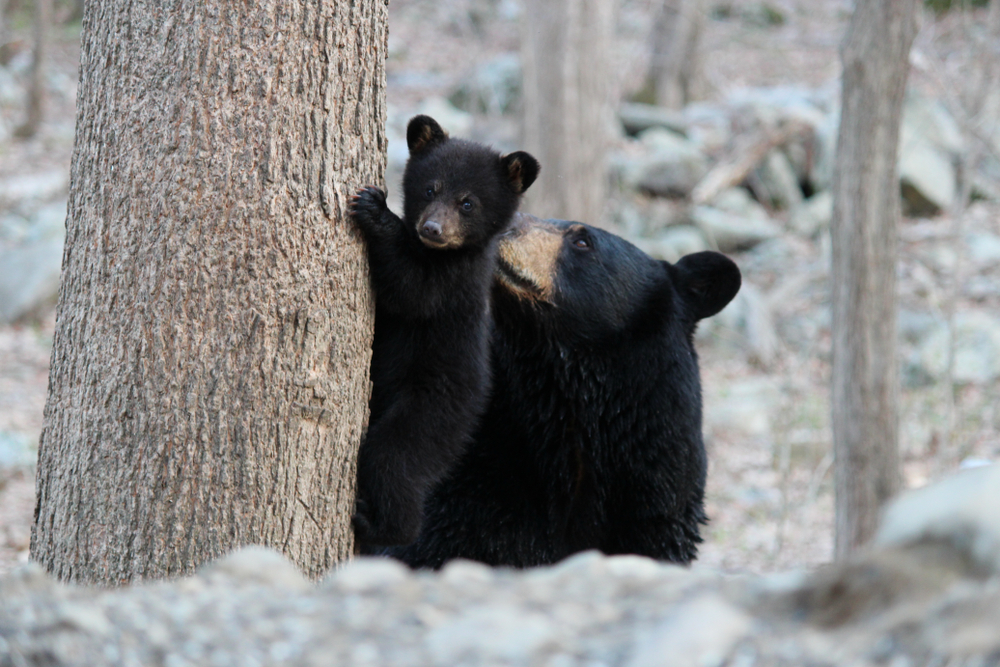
529,253
450,227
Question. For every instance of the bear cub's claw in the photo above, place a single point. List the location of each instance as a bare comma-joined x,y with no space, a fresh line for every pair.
368,204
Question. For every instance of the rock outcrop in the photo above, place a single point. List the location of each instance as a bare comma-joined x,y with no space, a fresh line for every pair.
925,593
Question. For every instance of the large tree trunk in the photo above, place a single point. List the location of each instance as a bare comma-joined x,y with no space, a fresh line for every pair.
675,76
209,377
565,48
866,210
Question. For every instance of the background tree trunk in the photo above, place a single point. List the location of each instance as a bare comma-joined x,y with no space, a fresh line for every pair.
675,75
866,210
36,86
209,376
3,29
565,48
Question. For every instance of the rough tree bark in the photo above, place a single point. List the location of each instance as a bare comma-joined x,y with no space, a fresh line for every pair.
565,55
42,19
675,66
209,376
866,210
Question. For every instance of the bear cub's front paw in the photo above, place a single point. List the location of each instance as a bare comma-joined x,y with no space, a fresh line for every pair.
368,205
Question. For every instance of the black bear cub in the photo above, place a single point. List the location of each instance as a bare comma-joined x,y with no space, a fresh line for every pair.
431,272
592,438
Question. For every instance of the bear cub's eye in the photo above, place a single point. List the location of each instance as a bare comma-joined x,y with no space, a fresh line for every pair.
582,243
429,193
466,205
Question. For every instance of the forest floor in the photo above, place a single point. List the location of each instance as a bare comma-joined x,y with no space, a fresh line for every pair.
770,494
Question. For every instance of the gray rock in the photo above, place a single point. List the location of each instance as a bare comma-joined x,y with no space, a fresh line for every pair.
914,326
17,450
775,255
729,232
777,182
673,243
661,214
30,268
491,633
803,149
628,219
913,375
930,141
927,177
895,604
779,102
982,287
493,88
258,565
702,635
11,91
34,187
962,511
739,202
672,165
20,63
29,277
821,174
983,248
48,222
813,215
646,217
977,349
941,257
636,118
930,120
14,228
709,126
368,574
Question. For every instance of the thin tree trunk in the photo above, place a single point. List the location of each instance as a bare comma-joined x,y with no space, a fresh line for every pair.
675,67
36,86
3,28
565,53
866,210
209,378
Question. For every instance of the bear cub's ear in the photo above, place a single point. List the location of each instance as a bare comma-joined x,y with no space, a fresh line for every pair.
521,169
708,281
422,133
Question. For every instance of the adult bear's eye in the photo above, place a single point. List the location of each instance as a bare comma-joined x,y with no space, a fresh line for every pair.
430,193
582,243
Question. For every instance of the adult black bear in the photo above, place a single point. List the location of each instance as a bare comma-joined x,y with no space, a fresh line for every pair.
431,272
592,439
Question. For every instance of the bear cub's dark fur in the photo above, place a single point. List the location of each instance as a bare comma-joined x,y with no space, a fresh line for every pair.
592,438
431,272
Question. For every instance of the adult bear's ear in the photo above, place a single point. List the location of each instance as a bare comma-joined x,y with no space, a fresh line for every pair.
521,170
422,133
707,281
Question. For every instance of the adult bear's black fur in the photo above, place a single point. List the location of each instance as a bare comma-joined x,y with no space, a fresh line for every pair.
592,439
431,272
